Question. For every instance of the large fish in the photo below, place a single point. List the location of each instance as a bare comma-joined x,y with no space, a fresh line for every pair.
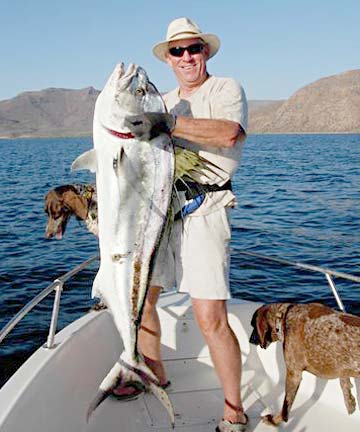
134,181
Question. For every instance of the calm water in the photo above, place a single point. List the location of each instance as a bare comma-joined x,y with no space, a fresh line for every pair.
298,196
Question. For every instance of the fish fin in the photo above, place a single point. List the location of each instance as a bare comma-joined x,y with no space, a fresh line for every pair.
163,398
190,164
95,292
87,160
104,391
122,373
118,162
100,397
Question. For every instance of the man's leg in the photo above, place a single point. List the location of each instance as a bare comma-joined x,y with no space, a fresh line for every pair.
148,343
150,335
211,316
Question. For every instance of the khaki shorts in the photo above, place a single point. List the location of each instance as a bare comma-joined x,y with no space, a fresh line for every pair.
196,257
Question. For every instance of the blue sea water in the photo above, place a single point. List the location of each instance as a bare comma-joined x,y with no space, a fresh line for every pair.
298,199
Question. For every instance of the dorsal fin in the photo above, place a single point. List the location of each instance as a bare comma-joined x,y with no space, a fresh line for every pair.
87,160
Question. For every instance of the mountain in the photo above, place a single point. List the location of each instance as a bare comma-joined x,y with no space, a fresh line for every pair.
329,105
260,112
50,112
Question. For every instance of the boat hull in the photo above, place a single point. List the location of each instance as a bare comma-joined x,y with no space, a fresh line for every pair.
52,390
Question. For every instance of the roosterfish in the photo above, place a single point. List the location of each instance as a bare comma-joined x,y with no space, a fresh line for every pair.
134,181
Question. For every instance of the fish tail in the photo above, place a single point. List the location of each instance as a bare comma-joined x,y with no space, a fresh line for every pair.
137,372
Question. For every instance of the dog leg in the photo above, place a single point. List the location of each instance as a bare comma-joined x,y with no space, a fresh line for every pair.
293,380
348,397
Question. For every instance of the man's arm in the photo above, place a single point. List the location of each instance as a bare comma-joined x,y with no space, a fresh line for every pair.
209,132
206,132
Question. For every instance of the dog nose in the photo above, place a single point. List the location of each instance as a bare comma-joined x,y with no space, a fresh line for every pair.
48,233
254,338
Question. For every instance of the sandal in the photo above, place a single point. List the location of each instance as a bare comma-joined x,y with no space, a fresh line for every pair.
227,426
166,385
129,391
132,390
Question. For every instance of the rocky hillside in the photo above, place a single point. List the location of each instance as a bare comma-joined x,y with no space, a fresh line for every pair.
260,112
50,112
330,104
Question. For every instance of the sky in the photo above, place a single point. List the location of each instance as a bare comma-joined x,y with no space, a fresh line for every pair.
272,47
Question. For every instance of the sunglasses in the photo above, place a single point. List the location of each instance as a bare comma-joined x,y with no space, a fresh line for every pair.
191,49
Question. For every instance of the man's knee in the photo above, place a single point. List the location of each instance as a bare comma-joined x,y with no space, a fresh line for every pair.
211,327
211,316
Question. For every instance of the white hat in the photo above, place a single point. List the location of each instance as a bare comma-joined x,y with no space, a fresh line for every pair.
185,28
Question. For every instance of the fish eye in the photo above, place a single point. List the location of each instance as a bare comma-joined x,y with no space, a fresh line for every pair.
140,91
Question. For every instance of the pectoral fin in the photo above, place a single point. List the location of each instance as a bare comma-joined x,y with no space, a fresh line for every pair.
162,396
87,160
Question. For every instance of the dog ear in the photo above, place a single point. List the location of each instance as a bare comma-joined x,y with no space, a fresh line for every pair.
254,337
263,328
53,203
49,197
76,203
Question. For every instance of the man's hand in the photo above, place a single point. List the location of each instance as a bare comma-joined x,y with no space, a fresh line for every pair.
150,125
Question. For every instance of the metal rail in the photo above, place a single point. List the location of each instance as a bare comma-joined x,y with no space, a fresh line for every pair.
57,286
327,272
300,265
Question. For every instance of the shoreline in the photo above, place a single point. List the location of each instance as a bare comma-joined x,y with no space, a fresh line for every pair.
89,135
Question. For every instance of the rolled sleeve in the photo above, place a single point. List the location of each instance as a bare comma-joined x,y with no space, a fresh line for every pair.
230,103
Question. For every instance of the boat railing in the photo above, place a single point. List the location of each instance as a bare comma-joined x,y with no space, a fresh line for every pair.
329,274
58,284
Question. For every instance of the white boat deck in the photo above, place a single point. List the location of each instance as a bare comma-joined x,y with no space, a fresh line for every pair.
52,391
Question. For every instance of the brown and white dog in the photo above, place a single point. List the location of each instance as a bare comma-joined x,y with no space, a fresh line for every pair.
77,200
316,339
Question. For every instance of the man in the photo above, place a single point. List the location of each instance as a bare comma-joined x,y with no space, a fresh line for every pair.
207,115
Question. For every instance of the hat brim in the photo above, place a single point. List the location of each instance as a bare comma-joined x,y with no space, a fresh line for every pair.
161,49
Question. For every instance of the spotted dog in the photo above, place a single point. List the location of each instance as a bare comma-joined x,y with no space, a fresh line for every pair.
316,339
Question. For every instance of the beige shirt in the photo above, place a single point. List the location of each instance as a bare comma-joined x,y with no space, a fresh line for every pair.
217,98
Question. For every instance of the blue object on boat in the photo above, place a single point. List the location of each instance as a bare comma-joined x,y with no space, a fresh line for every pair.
189,208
